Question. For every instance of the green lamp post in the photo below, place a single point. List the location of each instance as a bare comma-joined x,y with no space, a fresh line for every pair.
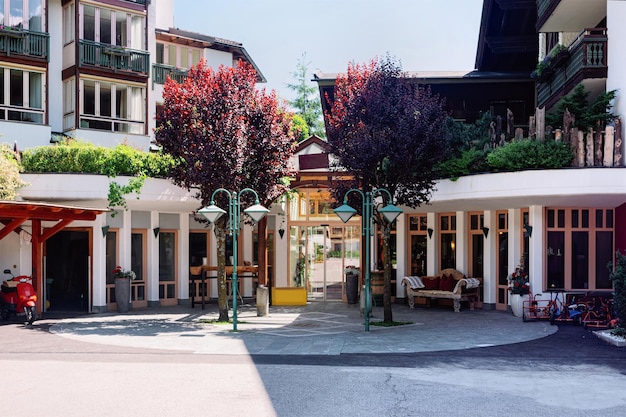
212,213
345,213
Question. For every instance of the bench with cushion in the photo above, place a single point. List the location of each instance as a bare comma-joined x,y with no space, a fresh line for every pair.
448,284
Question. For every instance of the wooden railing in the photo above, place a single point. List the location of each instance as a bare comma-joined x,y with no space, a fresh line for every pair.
587,59
24,43
112,57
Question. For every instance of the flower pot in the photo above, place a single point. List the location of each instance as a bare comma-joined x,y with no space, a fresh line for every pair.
122,294
517,304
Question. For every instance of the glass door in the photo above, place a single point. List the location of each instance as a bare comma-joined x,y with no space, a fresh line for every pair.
319,256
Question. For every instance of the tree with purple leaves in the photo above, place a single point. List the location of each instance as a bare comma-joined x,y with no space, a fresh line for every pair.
387,132
226,134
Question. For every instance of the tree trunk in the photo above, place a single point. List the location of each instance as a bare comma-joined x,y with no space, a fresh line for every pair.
222,293
388,314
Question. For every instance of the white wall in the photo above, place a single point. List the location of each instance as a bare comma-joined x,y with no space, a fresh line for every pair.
164,13
615,15
55,84
216,58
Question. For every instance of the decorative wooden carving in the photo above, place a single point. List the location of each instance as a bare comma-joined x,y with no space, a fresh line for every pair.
589,147
580,148
617,150
608,146
597,140
541,123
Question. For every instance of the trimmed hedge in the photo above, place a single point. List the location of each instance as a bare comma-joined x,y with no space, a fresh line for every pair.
78,157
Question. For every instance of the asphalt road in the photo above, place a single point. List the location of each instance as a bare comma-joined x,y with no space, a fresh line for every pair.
570,373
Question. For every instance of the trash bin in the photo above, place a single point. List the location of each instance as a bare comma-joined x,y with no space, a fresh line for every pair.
352,287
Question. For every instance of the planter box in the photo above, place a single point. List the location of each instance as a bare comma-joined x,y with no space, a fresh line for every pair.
288,296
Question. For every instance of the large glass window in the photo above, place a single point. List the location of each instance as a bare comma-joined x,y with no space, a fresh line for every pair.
447,233
114,27
418,233
579,247
21,95
100,99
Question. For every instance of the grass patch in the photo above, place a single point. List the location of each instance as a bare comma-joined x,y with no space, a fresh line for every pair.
392,324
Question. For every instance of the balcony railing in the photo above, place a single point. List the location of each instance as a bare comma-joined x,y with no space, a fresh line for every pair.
161,71
15,41
112,57
587,59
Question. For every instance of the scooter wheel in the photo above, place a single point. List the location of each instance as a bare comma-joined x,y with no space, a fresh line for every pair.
31,315
5,314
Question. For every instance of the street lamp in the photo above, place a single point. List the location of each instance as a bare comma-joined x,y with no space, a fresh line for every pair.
345,213
212,213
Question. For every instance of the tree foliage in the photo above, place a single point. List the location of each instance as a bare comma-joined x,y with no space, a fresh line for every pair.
618,277
9,173
307,102
587,114
227,134
387,132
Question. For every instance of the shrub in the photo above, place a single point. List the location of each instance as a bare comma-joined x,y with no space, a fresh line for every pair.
530,154
471,161
72,156
618,276
9,173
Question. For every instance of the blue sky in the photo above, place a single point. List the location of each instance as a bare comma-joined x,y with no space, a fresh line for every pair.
426,35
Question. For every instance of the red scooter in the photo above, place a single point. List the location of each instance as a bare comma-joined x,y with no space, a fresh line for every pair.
18,296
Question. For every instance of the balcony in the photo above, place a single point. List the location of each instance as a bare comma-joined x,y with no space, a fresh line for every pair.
161,71
111,57
587,60
16,41
569,15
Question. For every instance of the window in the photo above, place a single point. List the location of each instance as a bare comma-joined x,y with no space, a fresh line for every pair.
21,95
417,251
447,244
68,23
112,106
579,246
26,14
113,27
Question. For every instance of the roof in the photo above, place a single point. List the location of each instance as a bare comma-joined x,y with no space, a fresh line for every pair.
508,41
199,40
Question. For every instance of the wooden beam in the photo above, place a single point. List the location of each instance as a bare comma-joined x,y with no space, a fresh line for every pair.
49,232
11,226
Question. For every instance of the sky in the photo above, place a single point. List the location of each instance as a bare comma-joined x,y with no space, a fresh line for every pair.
425,35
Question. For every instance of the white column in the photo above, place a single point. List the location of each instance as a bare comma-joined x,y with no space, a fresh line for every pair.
616,78
489,260
432,245
515,241
98,264
535,250
153,263
124,239
183,258
461,250
401,253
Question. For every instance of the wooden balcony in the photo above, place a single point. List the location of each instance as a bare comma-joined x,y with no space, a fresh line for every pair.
115,58
25,43
161,71
587,59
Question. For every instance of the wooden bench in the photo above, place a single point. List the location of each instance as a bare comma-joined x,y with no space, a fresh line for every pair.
448,284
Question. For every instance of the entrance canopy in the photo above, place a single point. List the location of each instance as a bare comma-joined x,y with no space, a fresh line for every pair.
13,214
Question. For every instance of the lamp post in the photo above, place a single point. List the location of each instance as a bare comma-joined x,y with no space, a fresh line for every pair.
345,213
212,213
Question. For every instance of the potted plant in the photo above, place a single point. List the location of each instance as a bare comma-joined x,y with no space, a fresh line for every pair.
122,288
519,288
